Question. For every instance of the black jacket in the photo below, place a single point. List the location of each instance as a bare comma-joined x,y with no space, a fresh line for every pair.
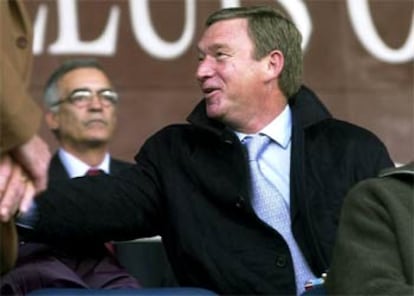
190,185
58,172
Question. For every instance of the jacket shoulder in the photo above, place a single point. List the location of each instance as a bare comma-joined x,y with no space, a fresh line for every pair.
167,139
392,187
174,134
407,169
348,145
346,135
118,164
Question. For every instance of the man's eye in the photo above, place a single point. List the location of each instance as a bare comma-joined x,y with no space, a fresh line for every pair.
221,55
109,95
201,57
80,96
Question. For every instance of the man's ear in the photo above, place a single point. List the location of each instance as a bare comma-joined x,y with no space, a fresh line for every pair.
52,120
276,61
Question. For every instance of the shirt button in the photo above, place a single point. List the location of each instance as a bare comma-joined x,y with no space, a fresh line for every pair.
240,201
21,42
281,261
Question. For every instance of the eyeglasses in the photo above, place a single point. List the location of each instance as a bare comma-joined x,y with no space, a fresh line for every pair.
84,97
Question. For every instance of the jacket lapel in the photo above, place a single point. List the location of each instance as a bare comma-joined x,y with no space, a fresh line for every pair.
56,169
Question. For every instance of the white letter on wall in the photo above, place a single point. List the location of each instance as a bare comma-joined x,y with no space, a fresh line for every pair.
230,3
68,35
300,16
363,26
149,40
39,29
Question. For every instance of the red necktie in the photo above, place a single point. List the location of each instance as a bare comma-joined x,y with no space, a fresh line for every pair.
94,172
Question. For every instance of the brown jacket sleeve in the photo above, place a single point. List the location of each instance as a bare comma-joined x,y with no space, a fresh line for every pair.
19,115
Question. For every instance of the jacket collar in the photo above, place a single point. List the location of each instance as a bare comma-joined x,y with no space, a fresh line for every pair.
305,106
407,169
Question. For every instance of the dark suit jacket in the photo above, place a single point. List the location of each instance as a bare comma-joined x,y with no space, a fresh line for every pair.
57,172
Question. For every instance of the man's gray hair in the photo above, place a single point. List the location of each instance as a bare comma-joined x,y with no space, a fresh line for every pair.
51,93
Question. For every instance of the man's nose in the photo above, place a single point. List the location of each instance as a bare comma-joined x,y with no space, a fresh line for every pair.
204,69
96,101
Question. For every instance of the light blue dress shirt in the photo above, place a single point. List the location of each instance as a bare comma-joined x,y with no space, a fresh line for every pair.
275,159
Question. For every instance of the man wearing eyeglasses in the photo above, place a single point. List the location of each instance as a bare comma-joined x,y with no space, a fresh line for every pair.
81,111
81,104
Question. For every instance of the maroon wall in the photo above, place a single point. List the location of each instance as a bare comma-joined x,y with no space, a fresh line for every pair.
354,83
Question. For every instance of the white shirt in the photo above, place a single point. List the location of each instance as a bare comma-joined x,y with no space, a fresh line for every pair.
76,167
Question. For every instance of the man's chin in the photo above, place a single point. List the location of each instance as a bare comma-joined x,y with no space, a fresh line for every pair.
97,141
213,111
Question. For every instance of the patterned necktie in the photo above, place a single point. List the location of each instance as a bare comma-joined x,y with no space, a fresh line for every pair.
270,207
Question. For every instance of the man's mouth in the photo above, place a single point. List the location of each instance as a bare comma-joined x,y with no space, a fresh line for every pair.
209,91
96,122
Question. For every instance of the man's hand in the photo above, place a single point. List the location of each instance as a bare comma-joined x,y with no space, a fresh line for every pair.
34,157
16,189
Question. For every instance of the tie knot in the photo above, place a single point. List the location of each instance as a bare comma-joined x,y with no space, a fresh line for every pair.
94,172
255,145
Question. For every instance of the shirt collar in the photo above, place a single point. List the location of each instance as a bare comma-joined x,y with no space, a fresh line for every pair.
279,129
77,168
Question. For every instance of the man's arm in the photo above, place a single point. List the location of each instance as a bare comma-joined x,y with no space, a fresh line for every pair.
20,115
24,157
367,257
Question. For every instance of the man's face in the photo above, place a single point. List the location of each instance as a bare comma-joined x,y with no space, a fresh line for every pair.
92,124
231,80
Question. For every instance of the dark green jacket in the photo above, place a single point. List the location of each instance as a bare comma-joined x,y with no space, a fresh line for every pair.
374,251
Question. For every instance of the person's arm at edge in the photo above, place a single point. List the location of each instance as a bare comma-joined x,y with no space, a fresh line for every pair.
20,115
366,258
